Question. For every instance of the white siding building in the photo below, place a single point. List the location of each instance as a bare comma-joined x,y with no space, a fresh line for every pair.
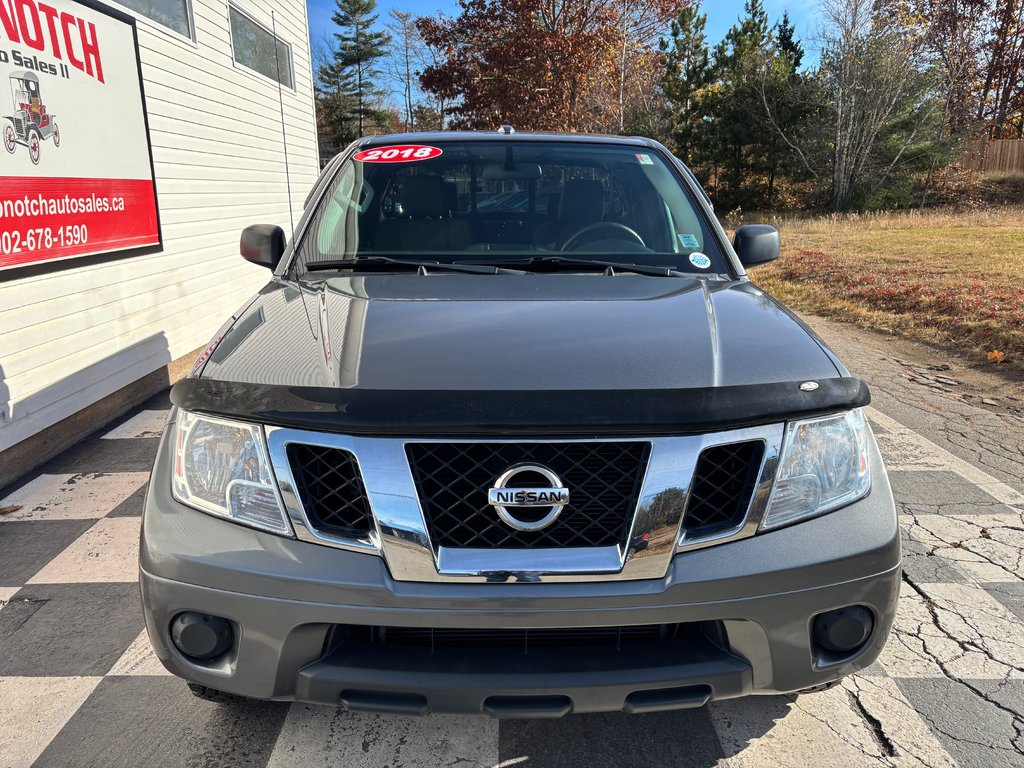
75,332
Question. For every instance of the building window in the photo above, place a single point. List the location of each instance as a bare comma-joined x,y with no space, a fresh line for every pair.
255,47
173,14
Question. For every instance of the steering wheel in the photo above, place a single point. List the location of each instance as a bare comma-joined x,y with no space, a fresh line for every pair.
571,241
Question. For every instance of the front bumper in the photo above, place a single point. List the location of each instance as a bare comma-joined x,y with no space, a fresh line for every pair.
286,598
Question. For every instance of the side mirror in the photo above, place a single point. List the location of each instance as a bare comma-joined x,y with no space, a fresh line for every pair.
262,244
757,244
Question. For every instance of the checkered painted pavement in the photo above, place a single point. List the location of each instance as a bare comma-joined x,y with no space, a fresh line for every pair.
79,685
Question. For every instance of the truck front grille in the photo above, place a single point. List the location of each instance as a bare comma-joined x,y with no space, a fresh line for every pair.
603,478
723,484
331,490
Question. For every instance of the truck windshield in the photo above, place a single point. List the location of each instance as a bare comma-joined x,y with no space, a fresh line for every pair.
495,202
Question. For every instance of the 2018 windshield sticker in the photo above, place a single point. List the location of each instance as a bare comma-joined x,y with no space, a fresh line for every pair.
645,159
688,240
399,153
700,261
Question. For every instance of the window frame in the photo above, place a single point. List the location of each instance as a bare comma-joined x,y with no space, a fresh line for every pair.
190,38
233,6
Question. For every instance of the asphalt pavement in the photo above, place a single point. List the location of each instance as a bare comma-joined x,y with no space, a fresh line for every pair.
79,685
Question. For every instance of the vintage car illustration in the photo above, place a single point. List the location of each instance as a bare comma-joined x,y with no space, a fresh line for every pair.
30,124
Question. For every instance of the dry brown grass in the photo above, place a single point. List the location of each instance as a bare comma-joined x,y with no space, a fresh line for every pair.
951,278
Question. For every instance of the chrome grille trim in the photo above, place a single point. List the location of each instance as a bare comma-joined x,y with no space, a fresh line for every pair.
401,536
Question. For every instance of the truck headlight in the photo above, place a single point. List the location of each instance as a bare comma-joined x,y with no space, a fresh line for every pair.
823,466
222,467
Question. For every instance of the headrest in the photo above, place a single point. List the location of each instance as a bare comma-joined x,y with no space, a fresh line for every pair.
423,197
582,200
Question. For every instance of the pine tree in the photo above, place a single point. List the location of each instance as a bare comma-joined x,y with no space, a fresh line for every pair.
360,46
737,107
785,35
688,73
785,103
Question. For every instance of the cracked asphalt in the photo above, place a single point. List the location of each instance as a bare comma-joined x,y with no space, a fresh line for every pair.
79,684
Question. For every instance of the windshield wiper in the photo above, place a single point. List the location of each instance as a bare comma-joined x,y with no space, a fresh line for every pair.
609,267
423,266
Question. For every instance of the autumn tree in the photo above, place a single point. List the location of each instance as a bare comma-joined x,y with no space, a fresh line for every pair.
871,73
978,46
408,57
402,60
952,33
541,64
641,25
1001,101
955,33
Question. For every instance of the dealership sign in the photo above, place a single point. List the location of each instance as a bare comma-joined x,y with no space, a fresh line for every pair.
76,173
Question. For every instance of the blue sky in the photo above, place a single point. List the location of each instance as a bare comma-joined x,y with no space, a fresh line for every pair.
722,14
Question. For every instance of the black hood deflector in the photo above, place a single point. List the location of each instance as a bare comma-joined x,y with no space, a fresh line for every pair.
537,413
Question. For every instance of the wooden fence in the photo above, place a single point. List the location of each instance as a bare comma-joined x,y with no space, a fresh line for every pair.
995,155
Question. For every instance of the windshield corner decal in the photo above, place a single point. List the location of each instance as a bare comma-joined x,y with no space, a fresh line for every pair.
700,261
399,153
688,240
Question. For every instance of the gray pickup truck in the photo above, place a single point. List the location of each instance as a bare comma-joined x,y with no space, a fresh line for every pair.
510,431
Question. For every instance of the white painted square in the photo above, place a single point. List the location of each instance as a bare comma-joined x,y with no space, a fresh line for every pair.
826,729
83,496
819,729
109,551
985,548
960,631
904,448
973,617
318,737
142,424
139,659
902,455
32,712
6,593
911,737
914,641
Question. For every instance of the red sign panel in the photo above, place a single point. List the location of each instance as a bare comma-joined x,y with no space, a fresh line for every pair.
399,153
76,172
54,218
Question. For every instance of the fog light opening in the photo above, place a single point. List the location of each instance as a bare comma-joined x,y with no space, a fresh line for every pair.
200,636
843,630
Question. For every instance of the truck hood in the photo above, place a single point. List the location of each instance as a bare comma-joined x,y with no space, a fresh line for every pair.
512,332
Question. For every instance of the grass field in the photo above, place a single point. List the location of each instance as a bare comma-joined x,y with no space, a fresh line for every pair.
951,278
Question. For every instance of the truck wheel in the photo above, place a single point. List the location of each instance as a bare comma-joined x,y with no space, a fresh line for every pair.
212,694
56,134
33,146
10,140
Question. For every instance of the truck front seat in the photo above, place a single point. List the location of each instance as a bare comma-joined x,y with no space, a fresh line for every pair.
428,225
581,203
